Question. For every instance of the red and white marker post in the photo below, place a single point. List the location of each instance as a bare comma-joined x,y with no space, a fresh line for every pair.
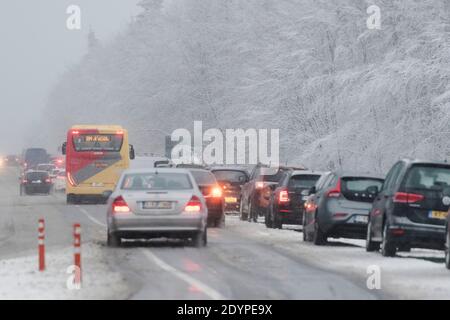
41,244
77,251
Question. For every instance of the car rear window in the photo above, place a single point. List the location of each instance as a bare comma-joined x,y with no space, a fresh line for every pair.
433,178
37,176
305,181
204,177
357,188
156,181
230,176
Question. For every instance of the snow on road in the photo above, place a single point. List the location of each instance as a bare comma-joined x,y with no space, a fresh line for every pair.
419,274
20,278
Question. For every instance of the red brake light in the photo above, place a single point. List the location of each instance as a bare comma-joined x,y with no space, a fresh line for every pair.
48,180
120,205
283,196
24,181
404,197
75,132
336,192
193,206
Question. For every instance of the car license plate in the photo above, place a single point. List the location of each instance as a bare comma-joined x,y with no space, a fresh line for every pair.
36,181
230,200
304,198
441,215
361,219
157,205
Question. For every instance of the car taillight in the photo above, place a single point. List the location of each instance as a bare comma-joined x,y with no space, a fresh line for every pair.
216,192
193,206
24,181
48,180
336,192
259,184
283,196
120,205
404,197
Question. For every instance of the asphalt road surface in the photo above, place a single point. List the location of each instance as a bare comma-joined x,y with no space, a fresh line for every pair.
242,260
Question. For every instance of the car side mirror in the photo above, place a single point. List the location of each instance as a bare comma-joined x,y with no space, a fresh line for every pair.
64,148
446,201
132,152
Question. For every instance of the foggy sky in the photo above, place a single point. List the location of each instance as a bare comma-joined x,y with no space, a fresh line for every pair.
36,47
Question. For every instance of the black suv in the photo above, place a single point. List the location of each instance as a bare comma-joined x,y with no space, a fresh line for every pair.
288,198
409,211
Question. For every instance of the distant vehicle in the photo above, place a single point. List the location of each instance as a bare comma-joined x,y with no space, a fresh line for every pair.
409,211
231,180
288,198
58,161
149,162
11,161
95,158
340,209
213,195
59,183
154,203
34,156
254,202
35,182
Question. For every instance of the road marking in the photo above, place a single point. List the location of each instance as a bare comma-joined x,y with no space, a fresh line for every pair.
194,283
91,217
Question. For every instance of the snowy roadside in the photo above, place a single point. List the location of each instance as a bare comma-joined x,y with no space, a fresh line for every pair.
419,274
20,279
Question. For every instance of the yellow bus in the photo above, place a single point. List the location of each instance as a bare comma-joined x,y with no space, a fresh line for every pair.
96,156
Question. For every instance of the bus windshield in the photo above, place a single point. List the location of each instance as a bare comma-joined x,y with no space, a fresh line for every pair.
98,142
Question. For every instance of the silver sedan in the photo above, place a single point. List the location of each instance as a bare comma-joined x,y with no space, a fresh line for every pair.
155,203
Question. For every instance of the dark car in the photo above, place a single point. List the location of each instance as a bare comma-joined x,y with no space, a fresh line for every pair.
35,182
409,211
288,198
254,201
34,156
340,208
231,180
212,192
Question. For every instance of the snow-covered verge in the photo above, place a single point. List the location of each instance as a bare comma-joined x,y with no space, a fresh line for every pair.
420,274
20,278
341,93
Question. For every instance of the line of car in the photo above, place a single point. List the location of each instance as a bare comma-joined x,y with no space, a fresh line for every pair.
408,208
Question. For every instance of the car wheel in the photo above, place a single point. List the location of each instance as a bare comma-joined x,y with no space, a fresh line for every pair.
447,250
371,245
200,240
319,237
304,233
388,249
113,240
277,224
268,220
242,215
220,222
250,212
